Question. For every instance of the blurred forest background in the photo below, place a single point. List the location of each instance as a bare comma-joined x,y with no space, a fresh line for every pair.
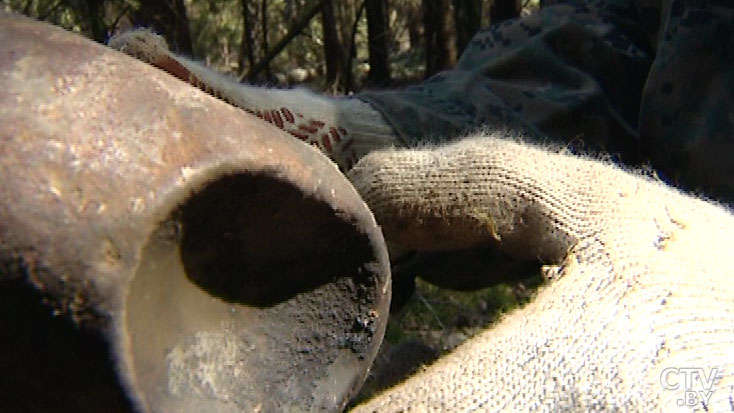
338,46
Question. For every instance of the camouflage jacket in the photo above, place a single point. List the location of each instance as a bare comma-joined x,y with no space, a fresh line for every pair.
648,81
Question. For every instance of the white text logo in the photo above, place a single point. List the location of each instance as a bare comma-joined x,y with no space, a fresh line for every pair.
695,385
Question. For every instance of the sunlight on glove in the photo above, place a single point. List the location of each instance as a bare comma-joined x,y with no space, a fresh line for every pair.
643,298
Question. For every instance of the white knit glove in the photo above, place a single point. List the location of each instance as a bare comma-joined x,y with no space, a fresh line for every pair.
344,129
643,284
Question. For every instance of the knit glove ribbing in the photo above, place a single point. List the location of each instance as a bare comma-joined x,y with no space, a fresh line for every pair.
642,283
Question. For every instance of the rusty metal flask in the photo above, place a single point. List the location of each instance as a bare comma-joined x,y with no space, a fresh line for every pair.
229,266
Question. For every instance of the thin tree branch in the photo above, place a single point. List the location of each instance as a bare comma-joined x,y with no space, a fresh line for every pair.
353,48
296,29
113,26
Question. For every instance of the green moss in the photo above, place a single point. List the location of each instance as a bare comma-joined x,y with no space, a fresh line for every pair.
443,318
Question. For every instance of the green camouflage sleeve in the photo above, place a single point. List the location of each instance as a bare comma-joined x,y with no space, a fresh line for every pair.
687,106
646,80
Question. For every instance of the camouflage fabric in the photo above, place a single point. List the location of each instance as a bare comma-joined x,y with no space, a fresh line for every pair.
645,80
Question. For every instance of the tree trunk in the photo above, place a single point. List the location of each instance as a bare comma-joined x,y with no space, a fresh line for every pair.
168,18
95,19
440,36
247,47
503,10
377,32
415,26
264,26
333,50
468,16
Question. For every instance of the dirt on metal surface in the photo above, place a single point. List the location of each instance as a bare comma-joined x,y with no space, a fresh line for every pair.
296,294
226,265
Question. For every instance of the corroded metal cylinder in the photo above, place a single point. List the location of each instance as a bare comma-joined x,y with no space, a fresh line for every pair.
229,266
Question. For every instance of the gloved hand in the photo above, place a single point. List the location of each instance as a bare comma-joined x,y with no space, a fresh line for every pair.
642,288
642,282
344,129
